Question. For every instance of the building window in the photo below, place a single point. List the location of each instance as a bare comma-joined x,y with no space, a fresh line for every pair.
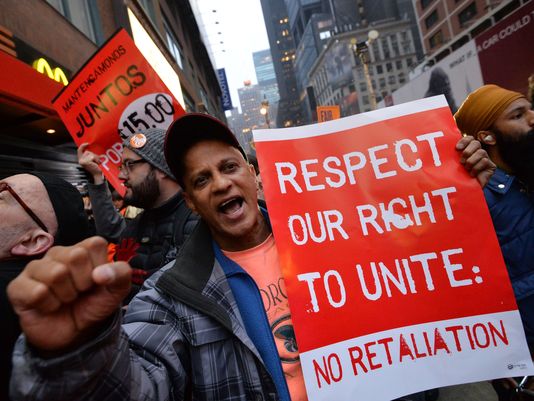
148,6
467,14
425,3
174,46
398,64
395,45
385,48
189,103
389,67
379,69
83,15
431,19
436,39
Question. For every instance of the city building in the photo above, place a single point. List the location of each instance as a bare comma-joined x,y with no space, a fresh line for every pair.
263,65
313,23
56,38
446,25
339,77
265,74
283,54
237,124
250,98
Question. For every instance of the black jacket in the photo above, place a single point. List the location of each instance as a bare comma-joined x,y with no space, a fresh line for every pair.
154,237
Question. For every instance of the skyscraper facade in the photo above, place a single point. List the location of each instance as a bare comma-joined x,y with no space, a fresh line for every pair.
283,54
263,65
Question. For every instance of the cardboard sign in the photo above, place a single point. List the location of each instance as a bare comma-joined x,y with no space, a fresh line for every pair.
115,95
327,113
393,271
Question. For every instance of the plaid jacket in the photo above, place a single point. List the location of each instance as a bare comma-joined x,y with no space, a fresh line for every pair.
182,338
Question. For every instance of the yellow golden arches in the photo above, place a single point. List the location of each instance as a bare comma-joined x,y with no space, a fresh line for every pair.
57,74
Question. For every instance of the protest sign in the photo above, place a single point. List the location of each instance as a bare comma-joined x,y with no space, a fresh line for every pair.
393,271
114,95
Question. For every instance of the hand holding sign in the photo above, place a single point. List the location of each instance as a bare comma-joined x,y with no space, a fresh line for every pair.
90,162
475,159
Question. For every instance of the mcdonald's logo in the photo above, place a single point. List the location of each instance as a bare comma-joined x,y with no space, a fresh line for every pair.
57,74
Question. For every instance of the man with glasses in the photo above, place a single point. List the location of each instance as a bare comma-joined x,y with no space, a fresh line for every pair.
37,211
153,238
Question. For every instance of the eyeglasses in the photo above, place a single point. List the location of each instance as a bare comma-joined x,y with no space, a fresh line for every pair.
126,166
4,186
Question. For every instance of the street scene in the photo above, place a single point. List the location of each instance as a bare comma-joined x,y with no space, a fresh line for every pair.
267,200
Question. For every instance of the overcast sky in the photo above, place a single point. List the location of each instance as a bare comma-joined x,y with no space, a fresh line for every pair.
242,32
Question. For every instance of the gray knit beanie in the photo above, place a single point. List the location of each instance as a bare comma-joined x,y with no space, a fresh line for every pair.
148,144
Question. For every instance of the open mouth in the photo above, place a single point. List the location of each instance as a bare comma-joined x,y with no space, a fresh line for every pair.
231,206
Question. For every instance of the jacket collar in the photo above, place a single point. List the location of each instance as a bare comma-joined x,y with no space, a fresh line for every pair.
500,182
194,267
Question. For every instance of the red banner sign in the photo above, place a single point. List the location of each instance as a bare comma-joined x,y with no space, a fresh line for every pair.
393,271
114,95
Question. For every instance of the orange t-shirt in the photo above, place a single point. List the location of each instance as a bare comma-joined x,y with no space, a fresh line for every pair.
263,265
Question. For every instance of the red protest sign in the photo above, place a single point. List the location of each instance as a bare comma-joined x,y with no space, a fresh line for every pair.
392,268
116,93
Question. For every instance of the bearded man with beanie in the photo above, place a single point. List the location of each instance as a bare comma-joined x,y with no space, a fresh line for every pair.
503,122
37,211
153,238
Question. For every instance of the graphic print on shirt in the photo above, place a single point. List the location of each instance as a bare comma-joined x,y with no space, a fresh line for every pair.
276,306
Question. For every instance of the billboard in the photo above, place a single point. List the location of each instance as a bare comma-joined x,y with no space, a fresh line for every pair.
505,50
455,76
339,65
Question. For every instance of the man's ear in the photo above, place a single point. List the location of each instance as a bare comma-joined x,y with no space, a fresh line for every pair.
36,242
187,199
487,138
252,169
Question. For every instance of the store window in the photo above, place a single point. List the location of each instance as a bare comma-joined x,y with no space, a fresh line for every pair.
83,14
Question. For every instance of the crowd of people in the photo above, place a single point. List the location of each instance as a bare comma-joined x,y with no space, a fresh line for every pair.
191,265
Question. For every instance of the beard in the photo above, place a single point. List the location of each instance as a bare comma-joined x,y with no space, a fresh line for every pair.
145,194
518,154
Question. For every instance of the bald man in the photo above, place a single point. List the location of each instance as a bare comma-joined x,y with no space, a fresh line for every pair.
503,122
37,211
